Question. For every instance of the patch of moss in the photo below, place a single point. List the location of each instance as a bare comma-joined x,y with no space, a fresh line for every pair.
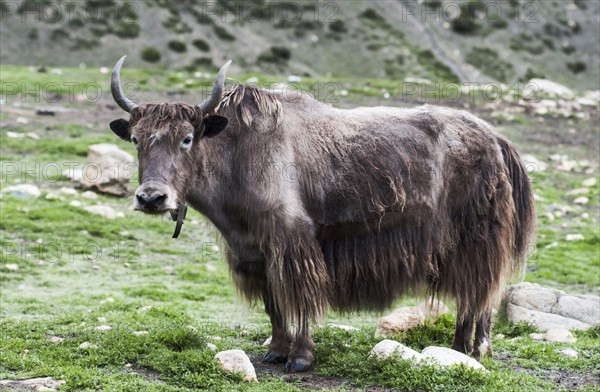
201,44
177,46
222,33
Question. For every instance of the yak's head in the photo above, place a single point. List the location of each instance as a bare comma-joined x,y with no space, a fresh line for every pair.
167,137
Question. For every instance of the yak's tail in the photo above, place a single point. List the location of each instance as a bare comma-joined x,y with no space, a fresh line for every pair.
522,194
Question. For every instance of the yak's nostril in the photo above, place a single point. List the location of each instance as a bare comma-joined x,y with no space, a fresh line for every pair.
142,198
158,199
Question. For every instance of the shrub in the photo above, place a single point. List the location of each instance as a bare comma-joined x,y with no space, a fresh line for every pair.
201,45
177,46
127,30
371,14
490,63
200,63
223,33
577,67
438,69
338,26
276,55
467,23
150,54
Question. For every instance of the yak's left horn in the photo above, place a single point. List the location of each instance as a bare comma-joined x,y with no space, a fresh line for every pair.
115,87
215,97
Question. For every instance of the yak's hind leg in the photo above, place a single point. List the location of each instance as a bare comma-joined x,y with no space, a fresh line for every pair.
279,347
463,334
483,340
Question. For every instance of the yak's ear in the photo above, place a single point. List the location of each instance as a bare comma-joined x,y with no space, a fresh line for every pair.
121,128
214,124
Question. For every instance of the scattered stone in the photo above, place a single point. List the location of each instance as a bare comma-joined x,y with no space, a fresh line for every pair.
343,327
87,345
145,308
568,352
128,365
140,333
68,191
107,300
581,200
101,319
15,135
267,341
12,267
211,347
52,196
236,361
210,267
578,191
574,237
448,357
500,336
589,182
101,210
23,190
548,308
407,317
89,195
387,348
33,384
559,335
103,328
73,174
75,203
533,165
56,339
552,89
45,112
109,169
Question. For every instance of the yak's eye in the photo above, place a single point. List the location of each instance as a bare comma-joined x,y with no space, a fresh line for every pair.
187,142
134,140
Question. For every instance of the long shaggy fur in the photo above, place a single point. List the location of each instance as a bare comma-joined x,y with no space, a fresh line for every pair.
353,208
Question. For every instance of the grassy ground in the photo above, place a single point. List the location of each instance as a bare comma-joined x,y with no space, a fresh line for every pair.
77,271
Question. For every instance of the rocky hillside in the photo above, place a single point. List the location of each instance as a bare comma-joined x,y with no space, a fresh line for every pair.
441,40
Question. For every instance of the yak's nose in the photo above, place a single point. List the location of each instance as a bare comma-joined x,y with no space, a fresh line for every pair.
151,200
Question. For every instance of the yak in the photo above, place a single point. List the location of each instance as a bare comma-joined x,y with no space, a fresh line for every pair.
345,209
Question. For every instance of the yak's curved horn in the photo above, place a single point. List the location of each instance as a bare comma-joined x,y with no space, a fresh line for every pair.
115,88
215,97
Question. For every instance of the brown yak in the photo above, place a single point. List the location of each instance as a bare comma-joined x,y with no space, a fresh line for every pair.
345,209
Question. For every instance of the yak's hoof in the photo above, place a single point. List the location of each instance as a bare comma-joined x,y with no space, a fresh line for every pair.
298,365
274,358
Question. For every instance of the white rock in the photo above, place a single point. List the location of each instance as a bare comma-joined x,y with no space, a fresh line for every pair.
574,237
589,182
568,352
578,191
407,317
542,320
387,348
89,195
551,88
12,267
533,165
500,336
211,346
56,339
86,345
448,357
52,196
75,203
267,341
101,319
68,191
109,169
344,327
104,211
585,308
581,200
236,361
103,328
23,190
32,384
140,333
73,174
107,300
294,78
560,335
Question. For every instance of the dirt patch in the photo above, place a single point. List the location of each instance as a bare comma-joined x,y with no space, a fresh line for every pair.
310,380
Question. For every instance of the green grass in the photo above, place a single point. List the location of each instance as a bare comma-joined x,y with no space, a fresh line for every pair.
180,291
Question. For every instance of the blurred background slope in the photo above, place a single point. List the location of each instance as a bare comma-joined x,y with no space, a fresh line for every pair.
441,40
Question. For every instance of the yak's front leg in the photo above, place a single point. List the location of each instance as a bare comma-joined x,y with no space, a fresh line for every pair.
302,355
279,347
